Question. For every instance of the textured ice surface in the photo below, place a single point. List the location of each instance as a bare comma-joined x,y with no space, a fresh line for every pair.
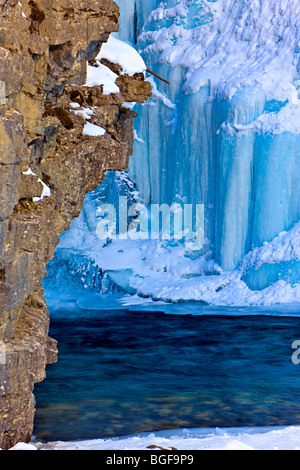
225,133
232,139
158,270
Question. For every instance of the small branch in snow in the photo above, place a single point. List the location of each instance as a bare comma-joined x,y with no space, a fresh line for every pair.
157,76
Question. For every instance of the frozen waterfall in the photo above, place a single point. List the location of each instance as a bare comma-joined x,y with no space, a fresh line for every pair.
226,134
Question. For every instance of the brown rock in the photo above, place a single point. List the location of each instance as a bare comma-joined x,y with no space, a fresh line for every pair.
43,50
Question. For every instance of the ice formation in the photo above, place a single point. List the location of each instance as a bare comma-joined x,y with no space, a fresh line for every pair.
225,133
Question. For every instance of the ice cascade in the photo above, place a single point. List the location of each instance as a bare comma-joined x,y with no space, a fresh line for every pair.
225,133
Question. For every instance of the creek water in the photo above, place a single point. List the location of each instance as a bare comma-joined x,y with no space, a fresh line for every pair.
122,372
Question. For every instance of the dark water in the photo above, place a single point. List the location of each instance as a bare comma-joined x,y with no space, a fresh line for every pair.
125,372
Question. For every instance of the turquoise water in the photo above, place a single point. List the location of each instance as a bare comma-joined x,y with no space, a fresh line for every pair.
122,372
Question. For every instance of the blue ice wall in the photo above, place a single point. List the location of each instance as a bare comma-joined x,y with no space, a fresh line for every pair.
193,150
133,16
248,183
214,143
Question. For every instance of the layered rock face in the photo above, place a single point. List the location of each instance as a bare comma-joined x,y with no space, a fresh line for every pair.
44,48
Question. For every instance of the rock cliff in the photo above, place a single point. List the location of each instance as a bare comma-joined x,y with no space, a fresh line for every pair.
44,48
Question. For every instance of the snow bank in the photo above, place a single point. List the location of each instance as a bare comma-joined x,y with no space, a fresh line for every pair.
229,45
119,52
252,438
285,247
24,446
153,269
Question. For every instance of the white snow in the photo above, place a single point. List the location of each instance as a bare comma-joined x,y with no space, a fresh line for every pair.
285,247
85,112
93,130
23,446
89,128
21,6
75,105
244,438
117,52
152,268
46,191
238,44
129,105
286,120
28,172
102,75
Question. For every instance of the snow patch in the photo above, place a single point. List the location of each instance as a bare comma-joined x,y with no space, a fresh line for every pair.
121,53
46,191
93,130
116,52
101,75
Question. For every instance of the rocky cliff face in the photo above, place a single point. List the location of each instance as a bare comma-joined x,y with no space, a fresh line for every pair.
44,48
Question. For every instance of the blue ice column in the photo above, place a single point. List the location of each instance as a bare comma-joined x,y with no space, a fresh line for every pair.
276,183
188,157
152,165
235,176
133,16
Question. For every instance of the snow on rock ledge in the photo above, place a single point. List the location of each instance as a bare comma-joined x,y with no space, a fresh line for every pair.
119,52
116,52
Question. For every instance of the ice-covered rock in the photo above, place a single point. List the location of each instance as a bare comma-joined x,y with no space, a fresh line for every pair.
225,133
